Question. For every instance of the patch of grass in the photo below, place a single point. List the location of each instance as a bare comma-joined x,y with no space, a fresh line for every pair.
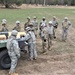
21,14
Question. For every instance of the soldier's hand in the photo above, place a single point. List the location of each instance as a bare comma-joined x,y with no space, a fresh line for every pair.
18,56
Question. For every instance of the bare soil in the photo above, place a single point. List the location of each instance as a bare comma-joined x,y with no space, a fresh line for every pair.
59,60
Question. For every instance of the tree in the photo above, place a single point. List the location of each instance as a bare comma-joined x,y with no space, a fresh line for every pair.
44,2
72,2
9,3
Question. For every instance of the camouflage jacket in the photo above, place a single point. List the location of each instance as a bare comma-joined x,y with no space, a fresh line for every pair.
30,37
18,28
13,47
4,29
66,24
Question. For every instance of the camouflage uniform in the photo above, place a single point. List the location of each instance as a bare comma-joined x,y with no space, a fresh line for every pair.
42,23
30,37
13,51
55,24
65,26
50,34
35,25
44,39
4,28
17,27
27,23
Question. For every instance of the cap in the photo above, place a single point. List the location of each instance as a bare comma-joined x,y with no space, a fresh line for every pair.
28,17
50,22
28,28
43,17
54,16
14,32
66,18
3,22
17,22
34,17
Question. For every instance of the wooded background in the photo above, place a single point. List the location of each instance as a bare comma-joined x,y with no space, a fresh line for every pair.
8,3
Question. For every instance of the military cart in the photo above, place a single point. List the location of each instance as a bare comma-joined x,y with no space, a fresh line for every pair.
5,61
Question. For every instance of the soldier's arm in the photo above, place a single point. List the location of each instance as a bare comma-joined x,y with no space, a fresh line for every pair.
27,37
37,25
2,29
25,25
19,29
7,29
56,25
69,23
62,24
40,25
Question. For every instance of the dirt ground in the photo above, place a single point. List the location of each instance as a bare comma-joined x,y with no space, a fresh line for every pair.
60,60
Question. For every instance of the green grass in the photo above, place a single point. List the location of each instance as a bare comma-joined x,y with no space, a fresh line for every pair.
21,14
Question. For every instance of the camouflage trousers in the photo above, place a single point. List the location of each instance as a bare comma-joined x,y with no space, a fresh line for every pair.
32,50
50,36
54,31
44,44
14,61
64,34
35,31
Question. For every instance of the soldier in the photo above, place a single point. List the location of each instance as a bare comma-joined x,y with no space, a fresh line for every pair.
32,27
4,28
44,38
43,22
65,26
17,27
35,25
13,51
50,34
30,37
55,24
27,23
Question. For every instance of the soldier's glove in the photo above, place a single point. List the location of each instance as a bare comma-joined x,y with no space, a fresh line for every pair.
18,56
55,26
44,40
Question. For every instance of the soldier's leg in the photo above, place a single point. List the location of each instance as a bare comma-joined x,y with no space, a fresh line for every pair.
35,32
42,42
44,45
48,43
34,51
40,33
31,51
66,33
63,33
54,33
14,60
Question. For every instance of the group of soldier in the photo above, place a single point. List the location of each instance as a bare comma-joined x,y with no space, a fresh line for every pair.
46,32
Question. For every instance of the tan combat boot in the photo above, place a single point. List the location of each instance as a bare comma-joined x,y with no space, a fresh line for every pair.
15,74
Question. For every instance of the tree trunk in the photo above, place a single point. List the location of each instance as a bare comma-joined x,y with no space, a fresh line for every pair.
7,6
